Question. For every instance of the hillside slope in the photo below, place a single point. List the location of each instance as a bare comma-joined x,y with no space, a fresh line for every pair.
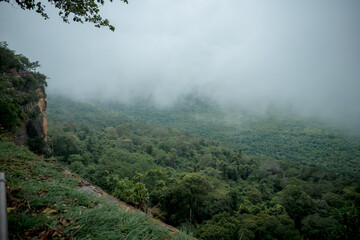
46,202
273,134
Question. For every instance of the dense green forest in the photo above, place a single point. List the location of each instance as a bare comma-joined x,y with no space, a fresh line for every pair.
200,185
270,134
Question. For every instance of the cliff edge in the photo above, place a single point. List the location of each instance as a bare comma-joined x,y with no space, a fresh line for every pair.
22,101
35,126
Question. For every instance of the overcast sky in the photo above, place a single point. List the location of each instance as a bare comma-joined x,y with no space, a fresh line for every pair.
299,54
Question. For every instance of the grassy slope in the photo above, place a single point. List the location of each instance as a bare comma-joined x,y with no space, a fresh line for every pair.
45,203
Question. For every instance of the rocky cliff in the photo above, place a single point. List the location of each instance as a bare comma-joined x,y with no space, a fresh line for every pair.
36,126
22,100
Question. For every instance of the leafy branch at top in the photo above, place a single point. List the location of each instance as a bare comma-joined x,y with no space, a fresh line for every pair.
80,11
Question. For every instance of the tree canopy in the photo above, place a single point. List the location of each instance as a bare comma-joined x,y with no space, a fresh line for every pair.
79,11
198,185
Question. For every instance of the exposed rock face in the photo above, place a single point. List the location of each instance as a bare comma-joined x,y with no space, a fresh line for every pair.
36,126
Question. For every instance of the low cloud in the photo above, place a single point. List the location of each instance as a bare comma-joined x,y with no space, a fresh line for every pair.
299,55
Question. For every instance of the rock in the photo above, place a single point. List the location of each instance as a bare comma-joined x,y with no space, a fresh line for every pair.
36,126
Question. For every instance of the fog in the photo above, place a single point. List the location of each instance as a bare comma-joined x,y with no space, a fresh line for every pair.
298,55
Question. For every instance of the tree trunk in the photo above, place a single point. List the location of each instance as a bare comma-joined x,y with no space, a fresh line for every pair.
190,210
190,215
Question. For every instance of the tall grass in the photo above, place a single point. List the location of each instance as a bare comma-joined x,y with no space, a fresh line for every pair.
45,201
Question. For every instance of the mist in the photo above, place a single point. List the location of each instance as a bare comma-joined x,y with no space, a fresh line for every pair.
302,56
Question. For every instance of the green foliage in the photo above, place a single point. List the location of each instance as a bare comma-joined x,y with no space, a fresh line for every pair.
202,185
44,203
79,11
260,226
192,189
77,167
221,226
156,182
18,87
123,163
130,191
296,202
272,134
37,145
65,144
322,228
264,226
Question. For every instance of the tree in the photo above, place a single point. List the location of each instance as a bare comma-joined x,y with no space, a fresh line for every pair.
221,226
130,191
296,202
264,226
65,144
81,11
317,227
194,189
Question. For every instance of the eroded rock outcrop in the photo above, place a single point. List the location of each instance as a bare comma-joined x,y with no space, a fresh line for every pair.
36,126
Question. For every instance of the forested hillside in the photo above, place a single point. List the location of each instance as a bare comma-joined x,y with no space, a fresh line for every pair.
276,188
200,185
44,199
195,120
272,134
